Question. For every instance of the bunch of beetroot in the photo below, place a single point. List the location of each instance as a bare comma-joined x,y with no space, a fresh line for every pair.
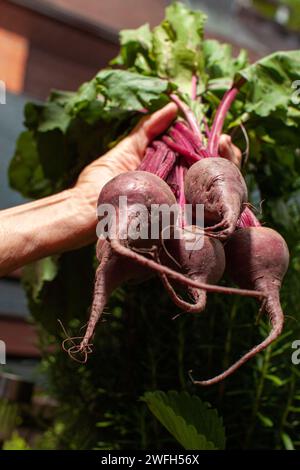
184,167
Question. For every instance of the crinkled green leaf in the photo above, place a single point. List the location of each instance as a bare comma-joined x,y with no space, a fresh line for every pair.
194,424
136,45
33,114
177,45
269,87
86,94
51,149
173,50
71,129
132,91
220,65
163,49
187,24
61,97
54,117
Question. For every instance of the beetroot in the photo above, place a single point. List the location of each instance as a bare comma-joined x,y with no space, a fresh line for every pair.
144,188
220,187
140,188
257,258
118,261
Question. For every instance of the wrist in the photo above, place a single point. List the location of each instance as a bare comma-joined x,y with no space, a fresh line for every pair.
52,225
80,219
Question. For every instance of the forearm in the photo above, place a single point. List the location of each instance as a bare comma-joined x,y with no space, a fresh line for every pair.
51,225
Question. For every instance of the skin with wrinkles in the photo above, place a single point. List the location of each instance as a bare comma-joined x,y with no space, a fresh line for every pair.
257,258
218,185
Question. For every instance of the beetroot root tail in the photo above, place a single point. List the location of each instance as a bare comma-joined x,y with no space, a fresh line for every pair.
188,307
199,295
80,352
161,269
276,316
75,351
99,301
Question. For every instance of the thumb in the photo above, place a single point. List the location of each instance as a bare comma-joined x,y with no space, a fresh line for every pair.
230,151
151,126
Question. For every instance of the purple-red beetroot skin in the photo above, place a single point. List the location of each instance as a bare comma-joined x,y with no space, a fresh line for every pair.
118,262
139,187
257,258
219,185
205,263
145,188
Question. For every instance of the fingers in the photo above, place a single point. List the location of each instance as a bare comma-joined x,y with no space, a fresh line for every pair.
230,151
151,126
127,155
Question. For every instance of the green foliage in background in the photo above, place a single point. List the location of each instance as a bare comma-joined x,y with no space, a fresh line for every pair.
270,9
193,423
16,442
140,348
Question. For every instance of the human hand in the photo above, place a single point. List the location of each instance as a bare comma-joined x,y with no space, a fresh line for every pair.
127,155
230,151
67,220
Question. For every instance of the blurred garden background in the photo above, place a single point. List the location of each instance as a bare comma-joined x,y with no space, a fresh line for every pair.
49,402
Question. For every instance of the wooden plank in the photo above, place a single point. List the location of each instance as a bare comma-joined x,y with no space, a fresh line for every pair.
56,37
13,60
59,55
20,337
116,14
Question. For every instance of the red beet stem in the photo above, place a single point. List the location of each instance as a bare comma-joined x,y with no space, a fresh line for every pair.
188,134
190,117
160,155
167,165
154,157
147,159
218,123
191,156
248,219
173,183
221,113
180,139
